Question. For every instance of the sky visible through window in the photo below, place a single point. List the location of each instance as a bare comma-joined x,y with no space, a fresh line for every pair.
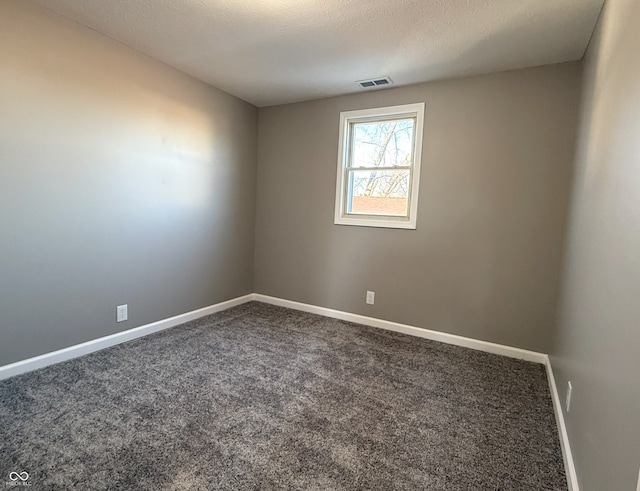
383,148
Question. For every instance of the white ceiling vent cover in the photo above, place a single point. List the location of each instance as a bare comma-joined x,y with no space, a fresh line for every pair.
374,82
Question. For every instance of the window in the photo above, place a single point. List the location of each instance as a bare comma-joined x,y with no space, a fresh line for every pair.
379,167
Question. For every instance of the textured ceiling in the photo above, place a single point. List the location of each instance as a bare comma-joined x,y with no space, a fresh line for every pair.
271,52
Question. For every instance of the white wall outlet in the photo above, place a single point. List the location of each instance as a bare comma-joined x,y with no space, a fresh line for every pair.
568,400
122,313
371,298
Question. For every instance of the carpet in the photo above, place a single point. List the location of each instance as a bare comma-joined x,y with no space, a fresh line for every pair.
260,397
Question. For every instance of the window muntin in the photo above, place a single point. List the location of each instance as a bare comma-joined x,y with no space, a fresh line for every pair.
379,166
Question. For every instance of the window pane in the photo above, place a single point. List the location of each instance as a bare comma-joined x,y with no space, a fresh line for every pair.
382,144
379,192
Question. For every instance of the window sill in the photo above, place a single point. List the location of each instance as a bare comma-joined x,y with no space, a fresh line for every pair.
386,222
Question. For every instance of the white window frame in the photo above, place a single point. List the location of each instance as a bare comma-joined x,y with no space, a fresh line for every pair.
347,118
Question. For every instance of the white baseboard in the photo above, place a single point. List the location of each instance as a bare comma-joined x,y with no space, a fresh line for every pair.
120,337
570,469
443,337
81,349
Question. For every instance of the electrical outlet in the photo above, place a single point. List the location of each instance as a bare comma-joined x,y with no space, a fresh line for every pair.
122,313
568,400
638,485
371,297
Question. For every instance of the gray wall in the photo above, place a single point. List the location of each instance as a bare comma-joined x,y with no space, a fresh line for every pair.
122,180
485,259
597,345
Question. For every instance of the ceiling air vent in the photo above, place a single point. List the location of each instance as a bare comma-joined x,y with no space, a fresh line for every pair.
374,82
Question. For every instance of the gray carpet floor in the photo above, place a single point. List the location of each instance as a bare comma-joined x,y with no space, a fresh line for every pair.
261,397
